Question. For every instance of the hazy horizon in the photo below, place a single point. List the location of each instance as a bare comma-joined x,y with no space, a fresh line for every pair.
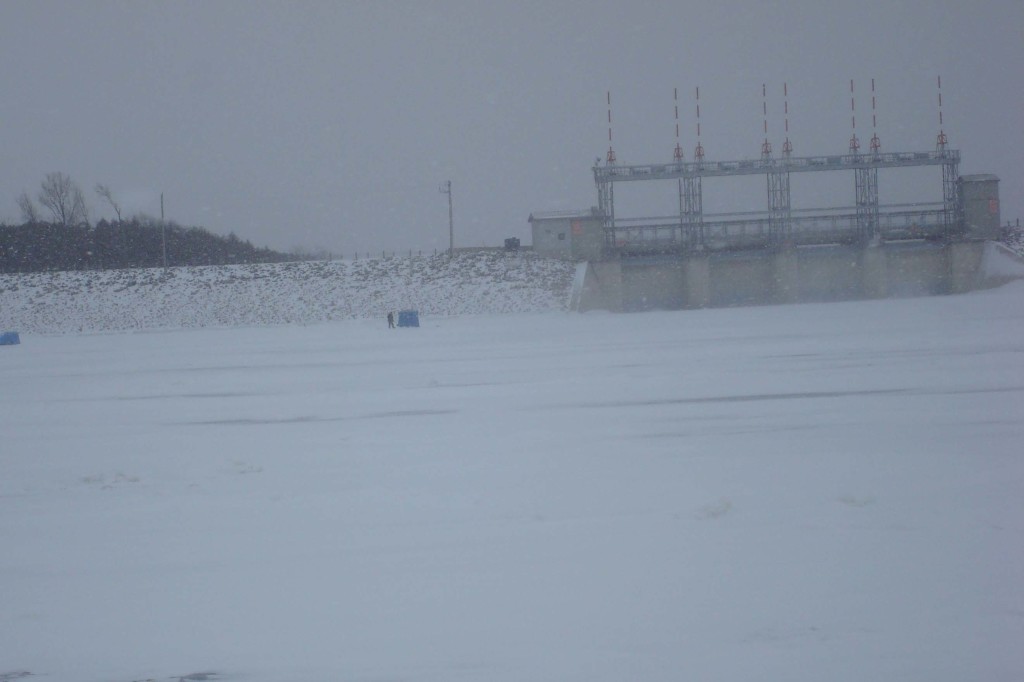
331,125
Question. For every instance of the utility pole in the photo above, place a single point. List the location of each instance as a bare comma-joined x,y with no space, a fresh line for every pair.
446,188
163,229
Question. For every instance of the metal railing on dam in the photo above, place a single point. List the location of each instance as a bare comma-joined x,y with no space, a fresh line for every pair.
754,231
795,164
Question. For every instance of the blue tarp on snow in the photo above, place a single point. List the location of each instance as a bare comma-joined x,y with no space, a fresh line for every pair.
408,318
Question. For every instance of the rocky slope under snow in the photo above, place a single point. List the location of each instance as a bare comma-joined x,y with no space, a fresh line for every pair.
285,293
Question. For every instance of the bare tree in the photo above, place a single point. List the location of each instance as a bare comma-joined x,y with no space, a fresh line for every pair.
29,212
64,199
108,196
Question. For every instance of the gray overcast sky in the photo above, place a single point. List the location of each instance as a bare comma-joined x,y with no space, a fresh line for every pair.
331,124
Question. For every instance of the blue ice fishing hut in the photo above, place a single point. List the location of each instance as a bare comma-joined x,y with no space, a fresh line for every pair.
408,318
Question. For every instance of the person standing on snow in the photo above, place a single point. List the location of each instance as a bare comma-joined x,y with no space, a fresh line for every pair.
391,320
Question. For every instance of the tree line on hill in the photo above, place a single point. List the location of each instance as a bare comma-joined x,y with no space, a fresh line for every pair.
56,235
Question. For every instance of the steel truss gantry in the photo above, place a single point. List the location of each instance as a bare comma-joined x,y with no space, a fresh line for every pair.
692,210
952,208
693,229
866,182
780,224
606,203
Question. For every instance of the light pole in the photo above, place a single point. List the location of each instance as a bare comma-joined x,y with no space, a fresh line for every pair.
446,188
163,230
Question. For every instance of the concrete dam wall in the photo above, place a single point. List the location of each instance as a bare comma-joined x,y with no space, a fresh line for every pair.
797,274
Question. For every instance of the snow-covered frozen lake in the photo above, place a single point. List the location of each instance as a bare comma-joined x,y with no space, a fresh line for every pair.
804,492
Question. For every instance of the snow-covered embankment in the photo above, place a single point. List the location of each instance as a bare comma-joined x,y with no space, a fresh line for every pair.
287,293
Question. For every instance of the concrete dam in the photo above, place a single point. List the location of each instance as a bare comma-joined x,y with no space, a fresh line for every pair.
695,259
799,274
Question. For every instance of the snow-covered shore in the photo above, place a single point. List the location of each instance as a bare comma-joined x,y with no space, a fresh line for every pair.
285,293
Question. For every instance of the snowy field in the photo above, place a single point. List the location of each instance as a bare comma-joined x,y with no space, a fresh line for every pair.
827,493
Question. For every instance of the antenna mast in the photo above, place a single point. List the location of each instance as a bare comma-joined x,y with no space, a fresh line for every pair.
677,154
698,152
941,141
611,152
854,142
787,146
766,147
876,144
